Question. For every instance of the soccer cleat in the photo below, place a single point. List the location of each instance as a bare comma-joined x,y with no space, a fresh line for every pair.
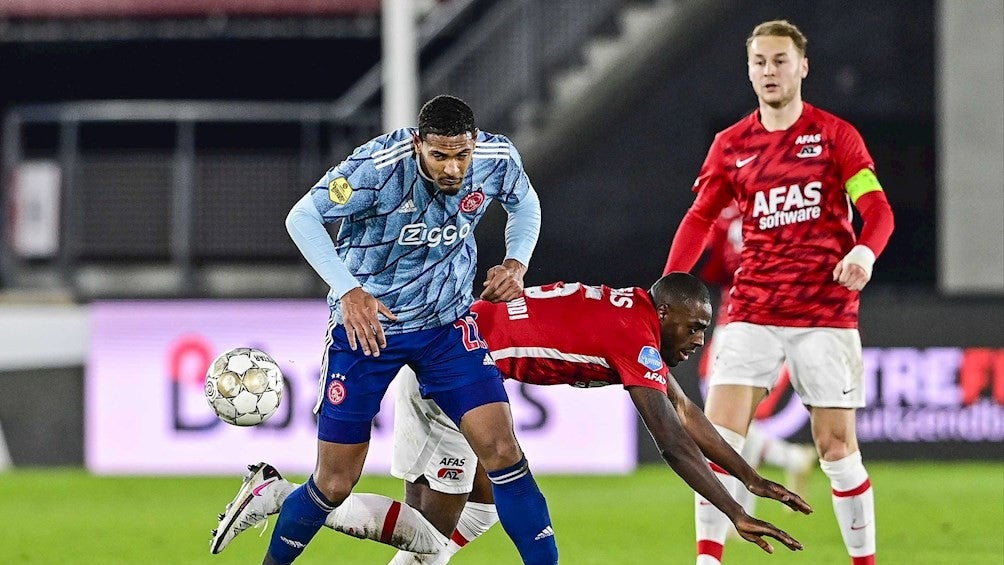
253,503
801,463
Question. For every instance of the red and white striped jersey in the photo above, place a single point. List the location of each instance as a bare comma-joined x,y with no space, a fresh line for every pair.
576,334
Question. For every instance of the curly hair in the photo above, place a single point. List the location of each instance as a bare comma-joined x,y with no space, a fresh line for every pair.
445,115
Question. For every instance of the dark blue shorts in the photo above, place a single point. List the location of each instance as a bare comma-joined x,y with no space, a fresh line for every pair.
453,365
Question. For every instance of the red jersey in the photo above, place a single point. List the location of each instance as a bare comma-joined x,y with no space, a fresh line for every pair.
724,245
576,334
789,188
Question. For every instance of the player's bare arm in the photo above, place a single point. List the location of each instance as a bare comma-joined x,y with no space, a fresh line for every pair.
683,455
362,326
719,451
504,282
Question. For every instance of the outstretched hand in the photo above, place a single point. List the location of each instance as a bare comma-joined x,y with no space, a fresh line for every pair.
770,489
753,530
359,316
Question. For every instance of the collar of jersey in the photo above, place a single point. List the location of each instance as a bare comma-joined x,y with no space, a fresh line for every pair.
429,184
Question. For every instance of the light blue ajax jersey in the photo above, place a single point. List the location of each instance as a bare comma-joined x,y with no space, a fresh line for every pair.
409,245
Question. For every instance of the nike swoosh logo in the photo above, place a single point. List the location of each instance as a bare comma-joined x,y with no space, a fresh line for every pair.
261,487
848,391
856,528
740,163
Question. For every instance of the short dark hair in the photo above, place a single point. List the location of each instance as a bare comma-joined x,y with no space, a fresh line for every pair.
445,115
679,287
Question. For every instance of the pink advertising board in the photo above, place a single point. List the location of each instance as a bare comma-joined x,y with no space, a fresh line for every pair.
145,412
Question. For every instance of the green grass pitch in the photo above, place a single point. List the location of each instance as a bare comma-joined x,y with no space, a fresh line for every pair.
928,513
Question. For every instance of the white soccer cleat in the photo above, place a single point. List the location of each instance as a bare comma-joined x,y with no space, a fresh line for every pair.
256,499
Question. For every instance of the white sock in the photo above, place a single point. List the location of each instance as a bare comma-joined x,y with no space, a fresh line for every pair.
753,452
755,446
710,523
476,519
853,503
388,521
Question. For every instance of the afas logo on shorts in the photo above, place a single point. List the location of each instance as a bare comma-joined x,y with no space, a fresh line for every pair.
650,358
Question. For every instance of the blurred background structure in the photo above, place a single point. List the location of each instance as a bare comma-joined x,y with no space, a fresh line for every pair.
151,149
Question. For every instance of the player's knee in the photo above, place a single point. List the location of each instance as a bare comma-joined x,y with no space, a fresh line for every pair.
499,452
833,448
335,487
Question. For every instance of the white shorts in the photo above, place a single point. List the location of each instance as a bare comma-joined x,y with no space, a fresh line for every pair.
825,363
427,443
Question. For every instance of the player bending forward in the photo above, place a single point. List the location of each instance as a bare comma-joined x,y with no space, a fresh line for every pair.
584,336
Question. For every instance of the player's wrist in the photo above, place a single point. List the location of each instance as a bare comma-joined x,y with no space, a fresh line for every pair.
514,266
862,256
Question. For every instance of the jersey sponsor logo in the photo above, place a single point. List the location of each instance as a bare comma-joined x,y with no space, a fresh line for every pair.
649,357
784,205
449,473
653,376
336,392
420,234
453,461
740,163
808,138
339,190
809,151
472,202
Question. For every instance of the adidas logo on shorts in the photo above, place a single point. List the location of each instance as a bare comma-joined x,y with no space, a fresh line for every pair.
488,360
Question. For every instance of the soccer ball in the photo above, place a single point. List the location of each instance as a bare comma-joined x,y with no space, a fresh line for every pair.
244,386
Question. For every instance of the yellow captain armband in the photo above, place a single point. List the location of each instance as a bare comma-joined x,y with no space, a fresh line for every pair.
862,183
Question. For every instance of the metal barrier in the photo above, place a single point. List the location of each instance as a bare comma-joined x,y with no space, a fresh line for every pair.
202,196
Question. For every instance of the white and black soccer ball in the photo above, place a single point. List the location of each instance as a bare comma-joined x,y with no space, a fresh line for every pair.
244,386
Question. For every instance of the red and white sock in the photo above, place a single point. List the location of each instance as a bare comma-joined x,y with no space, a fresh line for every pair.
854,506
382,519
474,521
710,524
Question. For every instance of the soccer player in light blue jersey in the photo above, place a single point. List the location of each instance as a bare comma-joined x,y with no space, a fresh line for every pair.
409,201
